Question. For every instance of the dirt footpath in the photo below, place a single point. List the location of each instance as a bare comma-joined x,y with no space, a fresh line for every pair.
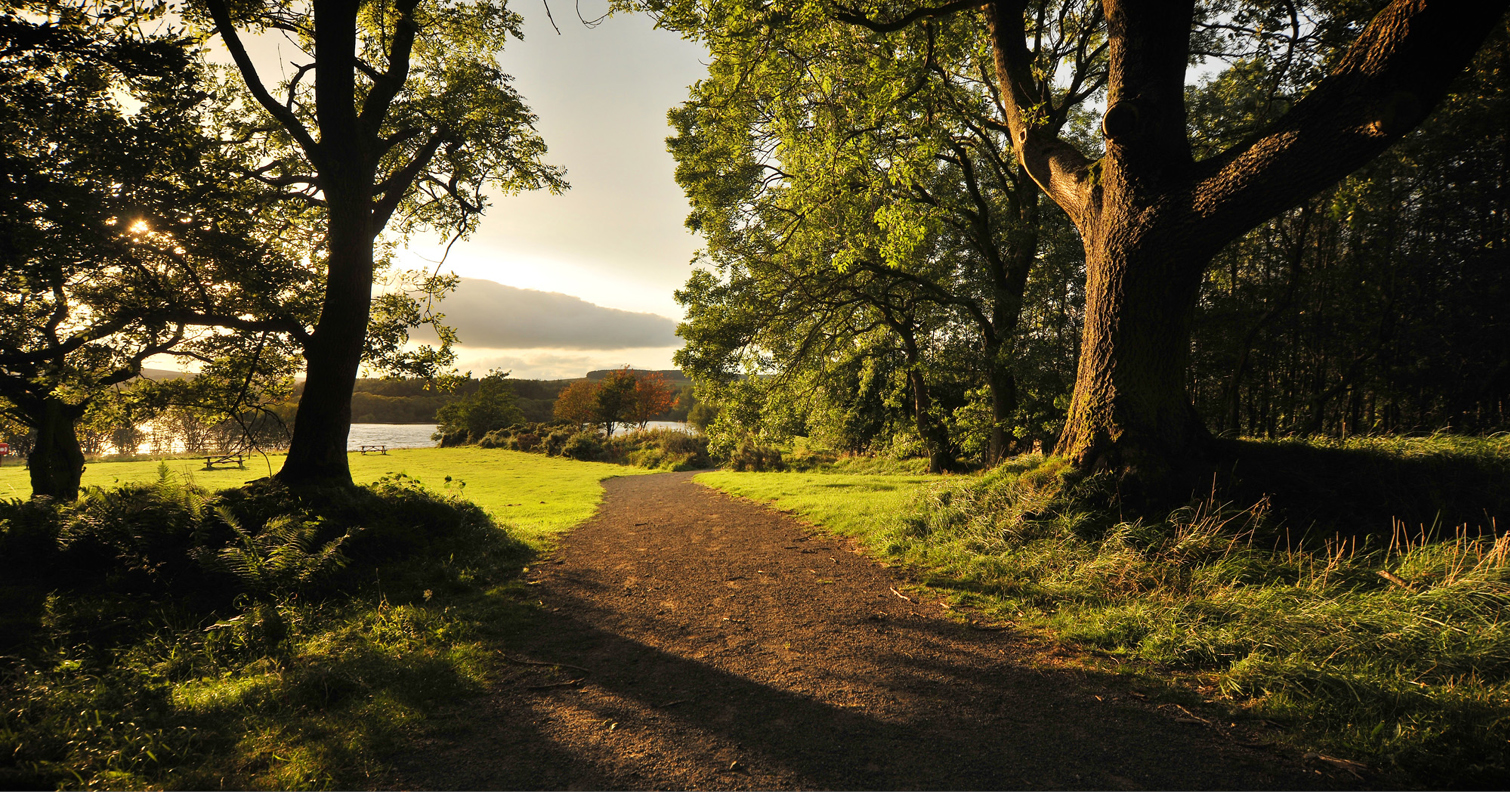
710,643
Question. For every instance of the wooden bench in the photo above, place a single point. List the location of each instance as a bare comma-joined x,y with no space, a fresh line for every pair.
226,460
376,449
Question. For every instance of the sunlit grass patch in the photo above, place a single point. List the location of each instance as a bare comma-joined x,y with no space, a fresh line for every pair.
856,505
536,494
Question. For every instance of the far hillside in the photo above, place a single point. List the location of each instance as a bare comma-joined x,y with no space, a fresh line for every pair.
415,401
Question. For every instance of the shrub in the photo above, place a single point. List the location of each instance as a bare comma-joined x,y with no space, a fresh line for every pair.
583,446
753,457
143,667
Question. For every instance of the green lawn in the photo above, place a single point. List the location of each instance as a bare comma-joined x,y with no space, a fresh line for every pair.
860,505
535,495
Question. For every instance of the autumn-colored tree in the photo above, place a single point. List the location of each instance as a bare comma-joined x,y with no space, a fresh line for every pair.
615,399
578,402
653,396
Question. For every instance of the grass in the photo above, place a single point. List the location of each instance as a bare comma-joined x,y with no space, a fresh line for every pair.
1390,646
535,495
129,660
850,504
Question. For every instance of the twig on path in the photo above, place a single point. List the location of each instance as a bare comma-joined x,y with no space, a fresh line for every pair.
1345,764
567,683
520,661
672,703
900,594
1196,718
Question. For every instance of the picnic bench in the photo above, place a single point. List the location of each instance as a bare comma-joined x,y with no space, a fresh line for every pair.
225,460
375,448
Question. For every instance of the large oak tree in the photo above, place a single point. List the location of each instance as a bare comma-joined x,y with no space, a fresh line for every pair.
1152,216
126,235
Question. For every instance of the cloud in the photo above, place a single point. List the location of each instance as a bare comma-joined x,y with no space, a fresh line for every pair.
492,315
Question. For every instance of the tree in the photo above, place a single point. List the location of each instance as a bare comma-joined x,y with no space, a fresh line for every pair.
840,150
492,406
1380,304
126,235
653,396
408,117
1152,217
577,402
614,399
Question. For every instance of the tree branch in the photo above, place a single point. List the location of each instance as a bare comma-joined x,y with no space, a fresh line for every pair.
227,30
854,16
1385,84
1058,167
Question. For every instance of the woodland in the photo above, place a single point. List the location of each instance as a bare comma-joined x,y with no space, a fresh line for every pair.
1207,303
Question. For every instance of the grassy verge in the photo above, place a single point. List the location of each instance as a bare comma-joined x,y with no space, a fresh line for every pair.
160,635
535,495
1390,647
851,504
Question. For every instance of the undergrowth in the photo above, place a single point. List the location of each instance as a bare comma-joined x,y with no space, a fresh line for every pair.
652,449
159,636
1393,648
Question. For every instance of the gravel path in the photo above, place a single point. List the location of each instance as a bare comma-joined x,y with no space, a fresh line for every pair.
711,643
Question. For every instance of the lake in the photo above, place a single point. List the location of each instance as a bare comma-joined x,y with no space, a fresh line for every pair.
418,435
391,435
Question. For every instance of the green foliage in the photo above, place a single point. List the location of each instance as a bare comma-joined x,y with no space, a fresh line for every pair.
129,229
614,400
584,446
490,407
310,684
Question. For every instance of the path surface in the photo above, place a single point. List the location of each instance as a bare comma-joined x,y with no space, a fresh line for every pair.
720,644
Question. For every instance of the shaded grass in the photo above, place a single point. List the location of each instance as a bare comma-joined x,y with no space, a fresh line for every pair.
1389,647
143,667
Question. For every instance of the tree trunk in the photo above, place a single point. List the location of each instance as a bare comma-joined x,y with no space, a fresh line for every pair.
317,451
1003,387
56,460
934,435
1130,412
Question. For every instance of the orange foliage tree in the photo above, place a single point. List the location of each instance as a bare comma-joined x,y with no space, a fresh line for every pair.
653,396
578,402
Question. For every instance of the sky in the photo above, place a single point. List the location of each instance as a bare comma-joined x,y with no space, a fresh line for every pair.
616,239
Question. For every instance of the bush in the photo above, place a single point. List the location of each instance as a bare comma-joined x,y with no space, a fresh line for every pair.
753,457
584,446
258,637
